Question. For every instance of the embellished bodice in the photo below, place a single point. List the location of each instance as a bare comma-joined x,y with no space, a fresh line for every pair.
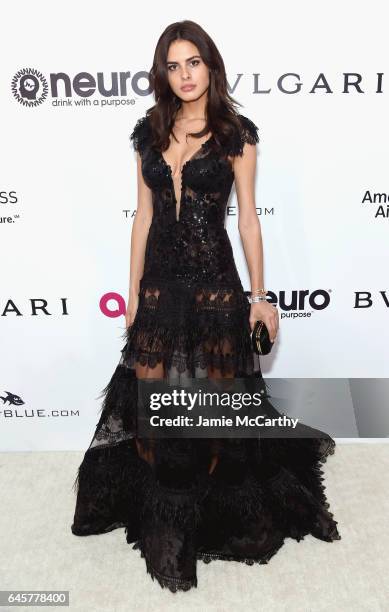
187,240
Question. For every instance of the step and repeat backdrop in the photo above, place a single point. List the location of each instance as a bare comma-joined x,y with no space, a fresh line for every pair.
74,81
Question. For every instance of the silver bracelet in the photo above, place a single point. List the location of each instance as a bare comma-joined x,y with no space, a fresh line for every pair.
256,298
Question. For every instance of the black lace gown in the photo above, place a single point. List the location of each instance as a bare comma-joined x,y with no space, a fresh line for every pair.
193,319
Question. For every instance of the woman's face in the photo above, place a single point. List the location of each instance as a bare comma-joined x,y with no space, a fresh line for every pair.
185,67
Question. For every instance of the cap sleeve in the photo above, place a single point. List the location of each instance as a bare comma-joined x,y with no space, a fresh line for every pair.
248,133
139,135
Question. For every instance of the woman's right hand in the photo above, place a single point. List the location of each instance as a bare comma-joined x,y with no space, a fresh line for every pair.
131,310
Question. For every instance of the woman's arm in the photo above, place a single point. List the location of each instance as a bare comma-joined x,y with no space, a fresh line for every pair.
251,235
248,224
139,233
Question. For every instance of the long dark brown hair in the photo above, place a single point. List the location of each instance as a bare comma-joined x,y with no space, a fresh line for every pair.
220,112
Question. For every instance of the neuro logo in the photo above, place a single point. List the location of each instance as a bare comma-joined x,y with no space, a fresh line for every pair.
12,399
29,87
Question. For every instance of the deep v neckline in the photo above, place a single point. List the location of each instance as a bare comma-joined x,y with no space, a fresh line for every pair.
181,175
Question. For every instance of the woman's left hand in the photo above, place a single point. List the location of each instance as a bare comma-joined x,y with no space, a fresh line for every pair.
268,313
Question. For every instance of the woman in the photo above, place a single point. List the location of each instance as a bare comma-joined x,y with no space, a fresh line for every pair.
188,315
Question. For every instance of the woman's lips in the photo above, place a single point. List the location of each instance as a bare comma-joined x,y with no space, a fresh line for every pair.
188,87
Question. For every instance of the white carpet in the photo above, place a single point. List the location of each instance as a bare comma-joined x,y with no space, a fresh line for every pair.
103,573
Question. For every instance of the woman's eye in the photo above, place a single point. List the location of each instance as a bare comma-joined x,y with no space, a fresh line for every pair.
172,67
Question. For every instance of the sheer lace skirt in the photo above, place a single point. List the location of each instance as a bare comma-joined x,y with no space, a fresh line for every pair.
186,499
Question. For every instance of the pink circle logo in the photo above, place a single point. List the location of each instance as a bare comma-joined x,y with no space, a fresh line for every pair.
112,311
